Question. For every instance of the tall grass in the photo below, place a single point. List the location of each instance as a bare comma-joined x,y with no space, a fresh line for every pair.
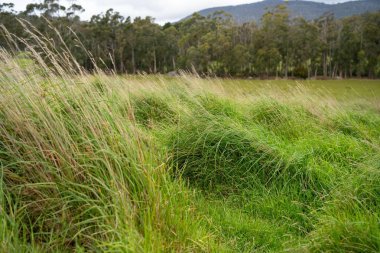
107,163
77,172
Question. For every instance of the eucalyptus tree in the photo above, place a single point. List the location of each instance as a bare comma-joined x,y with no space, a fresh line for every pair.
215,44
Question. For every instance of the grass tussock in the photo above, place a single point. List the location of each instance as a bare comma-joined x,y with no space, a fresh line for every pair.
150,110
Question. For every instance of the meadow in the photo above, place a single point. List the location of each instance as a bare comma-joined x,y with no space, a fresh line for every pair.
109,163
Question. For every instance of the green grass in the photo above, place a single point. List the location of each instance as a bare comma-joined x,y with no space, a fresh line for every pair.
106,163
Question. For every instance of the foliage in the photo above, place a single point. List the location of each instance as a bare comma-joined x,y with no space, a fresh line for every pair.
278,46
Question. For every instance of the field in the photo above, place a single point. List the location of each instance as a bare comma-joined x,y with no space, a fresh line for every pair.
107,163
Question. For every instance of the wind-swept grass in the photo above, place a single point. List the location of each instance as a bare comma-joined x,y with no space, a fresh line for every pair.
77,174
106,163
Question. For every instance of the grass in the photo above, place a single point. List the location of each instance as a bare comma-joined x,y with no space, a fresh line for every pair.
107,163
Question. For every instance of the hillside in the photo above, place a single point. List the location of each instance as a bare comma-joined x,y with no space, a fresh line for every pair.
309,10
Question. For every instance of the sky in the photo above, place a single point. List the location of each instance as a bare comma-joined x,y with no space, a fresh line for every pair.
162,10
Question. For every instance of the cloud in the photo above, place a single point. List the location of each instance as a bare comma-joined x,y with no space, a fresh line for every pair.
162,10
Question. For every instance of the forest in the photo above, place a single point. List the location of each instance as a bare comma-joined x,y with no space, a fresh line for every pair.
277,46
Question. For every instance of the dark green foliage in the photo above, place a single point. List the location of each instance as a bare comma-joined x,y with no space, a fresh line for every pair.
281,46
301,72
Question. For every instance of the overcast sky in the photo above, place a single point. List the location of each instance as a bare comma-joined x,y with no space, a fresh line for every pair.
162,10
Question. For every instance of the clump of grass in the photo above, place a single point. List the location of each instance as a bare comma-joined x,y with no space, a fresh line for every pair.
349,220
239,230
347,231
358,124
217,152
150,110
286,120
219,107
361,187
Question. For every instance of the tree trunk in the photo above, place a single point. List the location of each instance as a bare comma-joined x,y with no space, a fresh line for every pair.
121,61
351,71
324,64
133,61
154,61
286,67
174,65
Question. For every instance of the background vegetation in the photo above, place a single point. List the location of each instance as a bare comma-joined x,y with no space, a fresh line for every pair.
277,46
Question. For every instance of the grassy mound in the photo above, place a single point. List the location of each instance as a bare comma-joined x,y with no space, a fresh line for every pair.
150,110
219,107
213,152
358,124
287,121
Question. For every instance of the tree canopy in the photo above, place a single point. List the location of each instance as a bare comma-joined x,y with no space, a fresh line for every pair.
214,45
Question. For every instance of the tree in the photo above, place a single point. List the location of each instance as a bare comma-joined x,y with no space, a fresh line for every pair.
362,63
216,44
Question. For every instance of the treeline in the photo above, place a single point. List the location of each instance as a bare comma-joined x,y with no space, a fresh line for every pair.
216,45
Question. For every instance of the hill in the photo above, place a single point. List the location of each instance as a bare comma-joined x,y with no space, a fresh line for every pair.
309,10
